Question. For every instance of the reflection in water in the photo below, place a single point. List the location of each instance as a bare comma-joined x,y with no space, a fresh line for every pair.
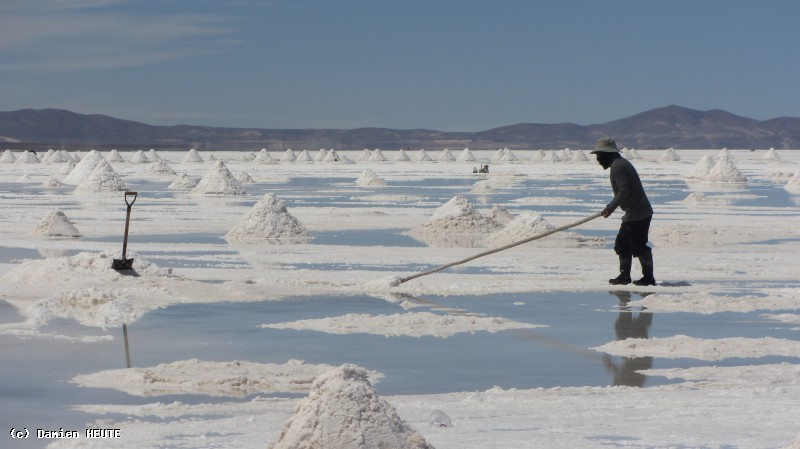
127,350
628,326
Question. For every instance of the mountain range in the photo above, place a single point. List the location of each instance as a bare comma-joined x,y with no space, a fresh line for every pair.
670,126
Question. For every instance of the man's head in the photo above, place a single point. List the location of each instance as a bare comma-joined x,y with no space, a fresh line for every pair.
605,149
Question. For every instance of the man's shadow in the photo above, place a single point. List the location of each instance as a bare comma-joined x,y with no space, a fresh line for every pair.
627,326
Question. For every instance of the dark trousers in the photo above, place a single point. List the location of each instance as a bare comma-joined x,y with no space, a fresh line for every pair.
632,238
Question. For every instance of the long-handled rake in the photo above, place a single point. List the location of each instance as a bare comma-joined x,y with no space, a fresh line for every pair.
399,281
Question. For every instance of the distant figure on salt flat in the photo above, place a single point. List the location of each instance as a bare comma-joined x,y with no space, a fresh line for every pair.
630,197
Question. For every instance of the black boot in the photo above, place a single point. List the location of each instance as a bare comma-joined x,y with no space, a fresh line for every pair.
624,277
647,270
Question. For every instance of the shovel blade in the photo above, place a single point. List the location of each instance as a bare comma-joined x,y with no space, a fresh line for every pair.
122,264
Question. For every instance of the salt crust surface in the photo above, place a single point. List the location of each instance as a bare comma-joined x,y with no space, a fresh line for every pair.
234,378
682,346
411,324
370,179
344,411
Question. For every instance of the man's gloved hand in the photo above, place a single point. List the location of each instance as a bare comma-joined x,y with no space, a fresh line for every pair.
606,212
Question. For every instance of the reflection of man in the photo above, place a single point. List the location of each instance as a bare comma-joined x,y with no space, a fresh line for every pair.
626,326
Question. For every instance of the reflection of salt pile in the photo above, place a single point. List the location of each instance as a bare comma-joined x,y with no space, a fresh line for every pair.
268,220
184,181
456,223
102,179
370,179
192,156
725,171
219,181
669,155
84,168
344,411
57,225
794,183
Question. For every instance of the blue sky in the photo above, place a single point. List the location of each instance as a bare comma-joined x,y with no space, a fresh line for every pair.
454,65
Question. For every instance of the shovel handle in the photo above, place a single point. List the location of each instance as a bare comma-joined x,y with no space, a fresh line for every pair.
135,194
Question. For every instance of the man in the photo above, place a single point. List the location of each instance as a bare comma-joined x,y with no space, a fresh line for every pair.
630,197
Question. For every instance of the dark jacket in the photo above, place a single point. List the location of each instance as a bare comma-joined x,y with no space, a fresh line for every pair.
628,191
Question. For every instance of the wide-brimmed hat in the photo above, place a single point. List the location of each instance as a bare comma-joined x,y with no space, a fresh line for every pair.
605,145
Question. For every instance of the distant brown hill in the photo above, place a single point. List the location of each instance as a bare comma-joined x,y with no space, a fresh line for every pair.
670,126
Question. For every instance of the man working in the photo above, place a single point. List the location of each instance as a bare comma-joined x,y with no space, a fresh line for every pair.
629,195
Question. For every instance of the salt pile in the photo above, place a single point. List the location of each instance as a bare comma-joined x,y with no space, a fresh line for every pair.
304,158
635,154
211,158
466,156
794,183
320,157
771,155
67,167
114,156
269,220
139,158
509,156
288,156
84,168
153,156
58,157
370,179
725,171
193,156
344,411
526,224
333,156
8,157
669,155
24,178
497,155
422,156
245,178
364,155
551,156
184,181
56,224
377,156
446,156
219,181
565,154
500,214
579,156
28,157
249,157
456,223
401,156
703,167
538,156
102,179
482,187
160,167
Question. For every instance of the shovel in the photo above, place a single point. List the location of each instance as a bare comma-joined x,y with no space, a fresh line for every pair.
125,264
